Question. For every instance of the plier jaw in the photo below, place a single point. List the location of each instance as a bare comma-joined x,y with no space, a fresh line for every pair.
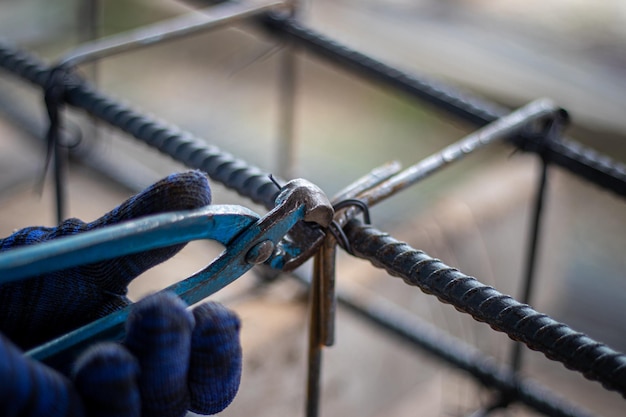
306,236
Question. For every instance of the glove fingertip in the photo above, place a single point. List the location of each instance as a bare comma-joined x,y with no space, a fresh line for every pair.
106,377
159,335
216,359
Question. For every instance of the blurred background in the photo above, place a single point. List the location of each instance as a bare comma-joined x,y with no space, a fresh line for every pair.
225,87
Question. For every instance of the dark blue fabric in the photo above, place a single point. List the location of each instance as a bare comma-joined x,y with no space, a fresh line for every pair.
106,376
38,309
30,389
215,367
172,359
158,333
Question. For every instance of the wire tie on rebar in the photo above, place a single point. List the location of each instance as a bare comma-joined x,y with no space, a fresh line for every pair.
54,92
276,183
538,139
335,228
355,202
553,131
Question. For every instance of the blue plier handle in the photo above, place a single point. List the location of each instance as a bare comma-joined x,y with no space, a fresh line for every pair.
248,239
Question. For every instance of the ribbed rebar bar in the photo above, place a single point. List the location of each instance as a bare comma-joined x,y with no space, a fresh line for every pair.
391,319
580,160
409,328
556,340
23,64
465,106
532,250
223,167
520,322
218,15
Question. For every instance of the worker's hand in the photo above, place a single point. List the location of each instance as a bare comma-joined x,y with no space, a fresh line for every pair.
35,310
171,361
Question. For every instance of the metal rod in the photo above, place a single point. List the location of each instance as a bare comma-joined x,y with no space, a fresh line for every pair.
460,104
60,160
596,361
88,20
531,255
323,300
87,17
288,73
286,134
371,179
392,319
178,27
409,328
499,130
89,25
566,153
314,361
328,301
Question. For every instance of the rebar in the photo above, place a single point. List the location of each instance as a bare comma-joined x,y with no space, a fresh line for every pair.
541,110
520,322
234,173
393,320
174,28
566,153
531,255
557,341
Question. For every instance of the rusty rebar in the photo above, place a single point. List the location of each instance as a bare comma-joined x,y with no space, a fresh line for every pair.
520,322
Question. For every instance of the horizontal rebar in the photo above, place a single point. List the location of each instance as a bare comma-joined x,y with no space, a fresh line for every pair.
234,173
520,322
391,319
416,332
499,130
524,118
580,160
174,28
571,155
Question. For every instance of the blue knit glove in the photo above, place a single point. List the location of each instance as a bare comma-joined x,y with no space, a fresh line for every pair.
38,309
171,361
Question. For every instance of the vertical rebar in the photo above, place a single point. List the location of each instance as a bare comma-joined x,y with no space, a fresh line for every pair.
531,255
315,346
60,159
56,155
286,152
88,30
86,17
322,319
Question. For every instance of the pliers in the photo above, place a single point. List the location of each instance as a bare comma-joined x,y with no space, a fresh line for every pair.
248,238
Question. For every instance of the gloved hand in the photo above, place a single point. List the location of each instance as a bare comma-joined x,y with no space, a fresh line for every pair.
171,361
